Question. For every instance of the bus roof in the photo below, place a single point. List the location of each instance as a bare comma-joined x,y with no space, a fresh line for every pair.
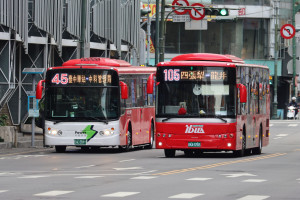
208,57
121,66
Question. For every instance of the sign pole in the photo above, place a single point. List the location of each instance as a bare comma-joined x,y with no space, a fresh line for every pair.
33,118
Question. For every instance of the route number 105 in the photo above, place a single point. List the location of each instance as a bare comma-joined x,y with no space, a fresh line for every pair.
172,74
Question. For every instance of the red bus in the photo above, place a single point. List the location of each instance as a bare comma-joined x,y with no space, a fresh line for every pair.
211,102
97,102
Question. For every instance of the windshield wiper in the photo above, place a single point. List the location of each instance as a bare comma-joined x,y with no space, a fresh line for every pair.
100,120
221,118
166,119
58,121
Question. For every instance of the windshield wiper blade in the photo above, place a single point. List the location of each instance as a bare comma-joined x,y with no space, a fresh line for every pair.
221,118
100,120
166,119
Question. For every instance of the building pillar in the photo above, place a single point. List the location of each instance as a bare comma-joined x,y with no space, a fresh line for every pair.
237,45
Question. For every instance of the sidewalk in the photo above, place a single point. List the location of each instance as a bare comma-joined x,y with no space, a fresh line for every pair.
26,150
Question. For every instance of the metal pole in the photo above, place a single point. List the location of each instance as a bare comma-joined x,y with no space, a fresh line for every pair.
275,62
162,32
83,28
148,35
294,91
33,118
157,32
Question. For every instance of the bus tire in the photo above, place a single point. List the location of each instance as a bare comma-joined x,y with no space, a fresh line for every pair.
60,149
257,150
151,144
129,139
170,153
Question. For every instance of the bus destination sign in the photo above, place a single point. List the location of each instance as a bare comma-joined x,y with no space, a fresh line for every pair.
194,75
81,79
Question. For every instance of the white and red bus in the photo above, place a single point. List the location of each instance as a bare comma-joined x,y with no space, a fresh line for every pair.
211,102
97,102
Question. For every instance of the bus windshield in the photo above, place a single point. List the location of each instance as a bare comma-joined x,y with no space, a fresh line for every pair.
196,91
94,103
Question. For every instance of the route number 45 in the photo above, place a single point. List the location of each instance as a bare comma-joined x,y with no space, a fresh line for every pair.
60,79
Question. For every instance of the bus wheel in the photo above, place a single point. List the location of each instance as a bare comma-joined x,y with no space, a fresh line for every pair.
258,149
170,153
129,140
60,149
150,145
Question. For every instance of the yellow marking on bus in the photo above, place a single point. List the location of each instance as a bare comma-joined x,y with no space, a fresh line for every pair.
241,137
249,136
147,131
219,164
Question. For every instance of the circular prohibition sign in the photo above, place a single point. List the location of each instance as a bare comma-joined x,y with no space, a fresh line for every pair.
197,13
287,31
180,3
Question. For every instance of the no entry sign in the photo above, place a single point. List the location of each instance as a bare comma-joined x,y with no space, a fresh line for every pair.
183,3
197,13
287,31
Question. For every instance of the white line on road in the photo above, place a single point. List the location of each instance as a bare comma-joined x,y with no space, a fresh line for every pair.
237,175
128,168
254,197
293,125
35,176
276,138
120,194
1,191
254,180
271,125
185,196
282,135
198,179
88,177
53,193
144,177
126,160
85,166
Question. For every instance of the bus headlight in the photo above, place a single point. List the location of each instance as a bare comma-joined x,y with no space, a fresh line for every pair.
107,132
52,132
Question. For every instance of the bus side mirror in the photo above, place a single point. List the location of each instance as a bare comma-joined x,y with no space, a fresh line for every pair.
39,89
150,84
243,93
124,90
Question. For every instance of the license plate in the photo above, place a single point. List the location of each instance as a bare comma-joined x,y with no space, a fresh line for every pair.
194,144
80,141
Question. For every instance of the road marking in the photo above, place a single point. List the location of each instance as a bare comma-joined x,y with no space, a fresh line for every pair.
128,168
271,125
254,180
282,135
126,160
198,179
7,173
254,197
88,177
81,167
185,196
120,194
276,138
237,175
13,154
298,179
35,176
2,191
144,177
53,193
219,164
293,125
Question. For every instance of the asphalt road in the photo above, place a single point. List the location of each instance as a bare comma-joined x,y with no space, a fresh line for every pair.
147,174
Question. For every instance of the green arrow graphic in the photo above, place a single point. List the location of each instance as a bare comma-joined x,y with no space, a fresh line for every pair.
90,133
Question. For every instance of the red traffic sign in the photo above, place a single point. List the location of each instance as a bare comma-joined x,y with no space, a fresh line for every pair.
197,13
180,3
287,31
